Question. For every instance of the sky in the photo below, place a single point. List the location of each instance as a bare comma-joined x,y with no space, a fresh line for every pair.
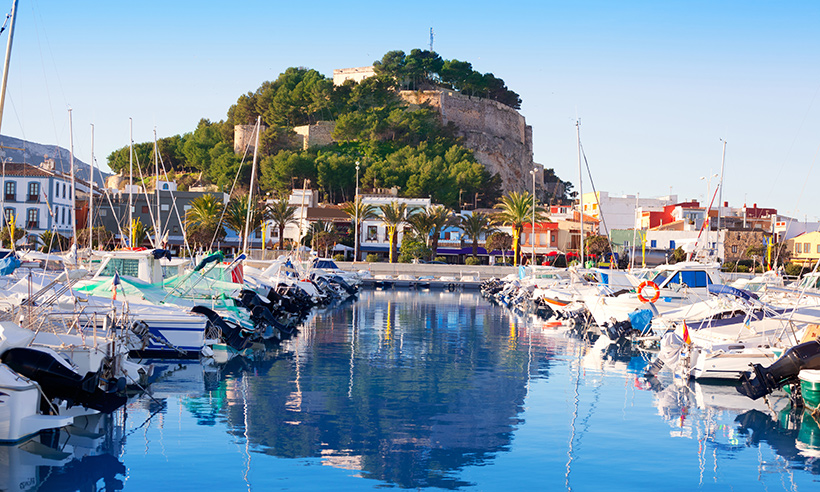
658,87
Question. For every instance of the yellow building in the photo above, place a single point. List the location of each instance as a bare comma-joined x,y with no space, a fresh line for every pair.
805,248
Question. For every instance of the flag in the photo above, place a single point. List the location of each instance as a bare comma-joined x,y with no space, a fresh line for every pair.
686,338
237,274
114,284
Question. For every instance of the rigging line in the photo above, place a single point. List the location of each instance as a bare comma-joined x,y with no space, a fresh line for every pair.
233,186
45,79
147,201
179,218
595,193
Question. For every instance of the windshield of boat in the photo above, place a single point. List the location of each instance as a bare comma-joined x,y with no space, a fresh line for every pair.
689,278
326,264
810,281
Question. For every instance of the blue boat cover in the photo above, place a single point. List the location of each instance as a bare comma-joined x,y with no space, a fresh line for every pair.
9,264
641,319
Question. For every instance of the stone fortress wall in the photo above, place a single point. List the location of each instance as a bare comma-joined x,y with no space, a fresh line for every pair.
497,134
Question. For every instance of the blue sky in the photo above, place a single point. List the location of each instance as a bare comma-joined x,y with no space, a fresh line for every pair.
656,85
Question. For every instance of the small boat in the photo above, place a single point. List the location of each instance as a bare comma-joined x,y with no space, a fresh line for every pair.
20,415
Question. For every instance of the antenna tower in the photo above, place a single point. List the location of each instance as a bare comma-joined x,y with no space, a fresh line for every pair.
431,39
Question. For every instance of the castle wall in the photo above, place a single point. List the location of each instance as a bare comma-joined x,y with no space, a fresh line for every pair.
243,136
497,134
318,133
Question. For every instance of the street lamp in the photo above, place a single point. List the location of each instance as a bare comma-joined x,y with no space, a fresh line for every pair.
356,215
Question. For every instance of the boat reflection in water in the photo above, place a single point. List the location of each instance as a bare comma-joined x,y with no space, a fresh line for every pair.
79,457
405,391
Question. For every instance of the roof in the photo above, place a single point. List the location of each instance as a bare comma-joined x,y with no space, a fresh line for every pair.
22,169
327,214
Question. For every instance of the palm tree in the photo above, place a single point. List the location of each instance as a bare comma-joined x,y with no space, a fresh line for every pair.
138,232
422,224
394,214
474,226
441,217
358,213
202,220
237,212
281,214
516,210
324,236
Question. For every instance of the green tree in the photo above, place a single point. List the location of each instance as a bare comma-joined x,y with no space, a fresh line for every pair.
498,241
441,217
474,225
236,214
284,170
596,245
203,221
138,233
102,237
198,145
412,248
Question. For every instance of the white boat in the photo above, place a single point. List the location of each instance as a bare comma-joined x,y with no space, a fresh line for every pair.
20,415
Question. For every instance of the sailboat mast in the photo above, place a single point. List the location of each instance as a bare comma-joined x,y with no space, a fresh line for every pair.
8,59
158,225
130,179
91,195
250,191
580,187
73,215
720,196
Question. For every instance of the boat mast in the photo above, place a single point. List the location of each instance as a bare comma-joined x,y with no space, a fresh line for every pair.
720,196
130,179
73,215
6,63
158,224
91,196
248,214
580,187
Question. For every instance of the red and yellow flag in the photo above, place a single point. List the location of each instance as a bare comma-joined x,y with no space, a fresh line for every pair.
686,338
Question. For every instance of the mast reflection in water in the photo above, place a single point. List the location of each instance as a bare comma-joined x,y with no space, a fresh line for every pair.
428,390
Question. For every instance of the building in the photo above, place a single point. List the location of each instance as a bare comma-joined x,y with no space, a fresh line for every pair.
619,212
38,200
356,74
319,133
805,248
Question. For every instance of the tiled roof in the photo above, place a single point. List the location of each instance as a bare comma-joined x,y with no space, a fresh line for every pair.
21,169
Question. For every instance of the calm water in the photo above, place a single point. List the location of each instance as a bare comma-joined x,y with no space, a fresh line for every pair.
428,390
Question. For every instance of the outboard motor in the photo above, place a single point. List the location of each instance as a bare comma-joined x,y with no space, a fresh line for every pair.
232,334
761,381
58,380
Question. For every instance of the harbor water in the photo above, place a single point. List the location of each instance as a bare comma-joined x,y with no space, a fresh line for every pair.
427,390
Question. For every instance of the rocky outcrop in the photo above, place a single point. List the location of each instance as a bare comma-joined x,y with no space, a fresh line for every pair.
497,134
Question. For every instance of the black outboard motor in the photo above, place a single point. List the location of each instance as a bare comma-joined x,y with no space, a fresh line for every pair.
761,381
60,381
232,334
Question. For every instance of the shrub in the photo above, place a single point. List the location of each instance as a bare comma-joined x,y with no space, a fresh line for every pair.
793,269
441,258
472,261
373,258
339,257
742,269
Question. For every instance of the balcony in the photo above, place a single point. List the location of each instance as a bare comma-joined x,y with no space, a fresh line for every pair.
33,224
11,197
33,199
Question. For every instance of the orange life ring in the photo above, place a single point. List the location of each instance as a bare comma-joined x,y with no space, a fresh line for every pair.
648,283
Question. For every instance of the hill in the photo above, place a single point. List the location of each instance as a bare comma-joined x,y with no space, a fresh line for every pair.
35,153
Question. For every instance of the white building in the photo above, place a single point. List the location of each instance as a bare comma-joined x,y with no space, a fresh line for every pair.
619,212
374,237
39,200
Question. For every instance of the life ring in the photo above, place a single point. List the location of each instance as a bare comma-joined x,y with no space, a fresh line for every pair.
648,283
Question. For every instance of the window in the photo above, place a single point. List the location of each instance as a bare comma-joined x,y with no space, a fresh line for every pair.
806,248
818,247
653,243
8,215
64,194
165,186
122,266
372,233
176,230
734,248
63,221
33,191
798,248
103,212
145,209
690,279
552,237
33,221
672,244
11,191
56,190
164,207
